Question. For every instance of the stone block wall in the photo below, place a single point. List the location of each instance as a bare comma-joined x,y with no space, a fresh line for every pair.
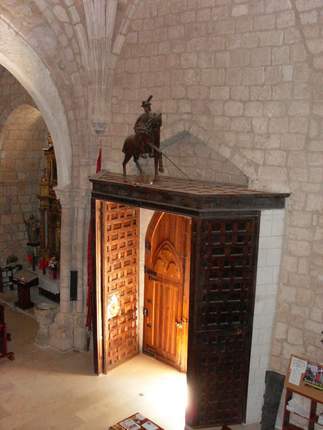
244,77
22,135
271,237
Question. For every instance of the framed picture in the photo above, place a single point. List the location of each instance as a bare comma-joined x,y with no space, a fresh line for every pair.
314,375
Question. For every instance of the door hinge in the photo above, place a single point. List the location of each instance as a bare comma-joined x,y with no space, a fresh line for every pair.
150,272
145,312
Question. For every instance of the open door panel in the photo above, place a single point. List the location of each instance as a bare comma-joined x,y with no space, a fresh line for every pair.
119,283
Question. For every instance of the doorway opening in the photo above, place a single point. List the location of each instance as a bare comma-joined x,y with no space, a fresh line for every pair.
223,253
120,302
166,295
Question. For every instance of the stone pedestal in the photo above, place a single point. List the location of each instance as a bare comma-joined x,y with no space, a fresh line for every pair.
45,314
80,333
68,332
61,332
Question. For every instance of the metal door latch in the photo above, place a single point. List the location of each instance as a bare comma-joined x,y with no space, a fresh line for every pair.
179,324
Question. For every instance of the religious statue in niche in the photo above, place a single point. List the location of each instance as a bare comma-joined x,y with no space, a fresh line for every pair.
50,214
33,229
146,140
33,234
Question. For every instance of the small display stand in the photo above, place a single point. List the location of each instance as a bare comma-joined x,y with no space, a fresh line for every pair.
136,422
299,369
24,280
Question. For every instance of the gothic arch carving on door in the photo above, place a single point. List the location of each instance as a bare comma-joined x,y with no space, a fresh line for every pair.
166,259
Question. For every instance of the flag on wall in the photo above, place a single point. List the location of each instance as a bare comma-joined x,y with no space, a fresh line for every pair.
90,256
99,161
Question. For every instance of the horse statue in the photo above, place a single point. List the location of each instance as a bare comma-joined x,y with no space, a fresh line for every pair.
146,140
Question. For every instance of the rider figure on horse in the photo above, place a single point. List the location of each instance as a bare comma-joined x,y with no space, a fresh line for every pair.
144,129
146,139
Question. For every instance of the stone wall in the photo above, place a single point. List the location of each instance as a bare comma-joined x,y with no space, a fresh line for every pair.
244,77
271,236
22,135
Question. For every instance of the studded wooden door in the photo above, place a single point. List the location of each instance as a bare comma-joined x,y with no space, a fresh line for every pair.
223,275
119,283
167,289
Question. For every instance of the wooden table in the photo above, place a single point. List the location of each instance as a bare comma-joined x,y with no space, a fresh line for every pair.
24,280
140,423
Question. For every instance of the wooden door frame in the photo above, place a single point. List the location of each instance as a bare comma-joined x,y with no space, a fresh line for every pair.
96,296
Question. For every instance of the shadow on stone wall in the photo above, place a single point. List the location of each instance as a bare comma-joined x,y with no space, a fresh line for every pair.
199,161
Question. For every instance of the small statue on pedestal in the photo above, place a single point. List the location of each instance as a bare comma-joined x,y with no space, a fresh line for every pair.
33,233
146,140
33,230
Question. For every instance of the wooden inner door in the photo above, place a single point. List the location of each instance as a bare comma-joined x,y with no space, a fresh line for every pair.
167,289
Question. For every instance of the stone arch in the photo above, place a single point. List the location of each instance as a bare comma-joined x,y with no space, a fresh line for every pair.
20,97
13,105
26,66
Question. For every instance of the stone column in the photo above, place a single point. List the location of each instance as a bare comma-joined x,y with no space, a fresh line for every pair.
81,228
66,199
61,332
82,198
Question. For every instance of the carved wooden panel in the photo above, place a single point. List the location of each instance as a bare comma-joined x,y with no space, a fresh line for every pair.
119,283
222,303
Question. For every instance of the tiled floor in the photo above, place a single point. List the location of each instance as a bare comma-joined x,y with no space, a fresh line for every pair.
47,390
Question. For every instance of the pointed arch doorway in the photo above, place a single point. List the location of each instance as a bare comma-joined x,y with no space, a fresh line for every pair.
166,296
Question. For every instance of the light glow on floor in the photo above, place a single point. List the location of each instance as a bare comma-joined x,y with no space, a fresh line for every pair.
152,388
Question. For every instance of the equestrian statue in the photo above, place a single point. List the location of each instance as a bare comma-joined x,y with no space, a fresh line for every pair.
146,140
